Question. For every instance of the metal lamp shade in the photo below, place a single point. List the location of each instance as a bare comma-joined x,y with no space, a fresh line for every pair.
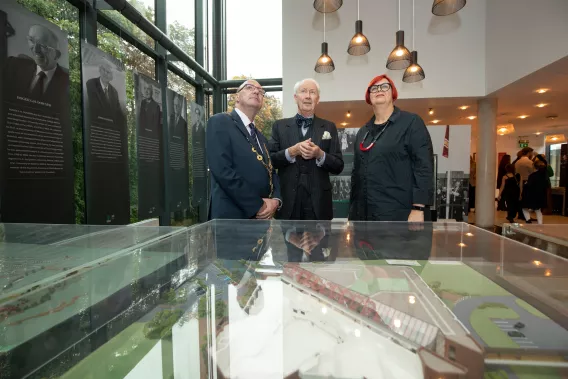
359,44
413,73
447,7
324,64
399,58
327,6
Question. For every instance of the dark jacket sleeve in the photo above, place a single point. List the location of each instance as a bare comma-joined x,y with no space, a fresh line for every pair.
422,156
219,158
277,153
333,162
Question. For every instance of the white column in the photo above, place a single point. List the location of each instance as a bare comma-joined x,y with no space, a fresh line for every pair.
486,163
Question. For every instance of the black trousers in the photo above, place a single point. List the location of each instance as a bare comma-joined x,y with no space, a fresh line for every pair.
303,206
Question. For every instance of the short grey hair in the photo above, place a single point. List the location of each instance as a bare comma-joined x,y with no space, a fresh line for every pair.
298,84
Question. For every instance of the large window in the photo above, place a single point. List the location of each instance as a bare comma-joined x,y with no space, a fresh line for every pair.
254,38
180,17
554,161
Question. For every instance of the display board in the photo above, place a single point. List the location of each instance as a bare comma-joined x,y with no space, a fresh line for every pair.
36,152
178,135
105,138
149,146
197,115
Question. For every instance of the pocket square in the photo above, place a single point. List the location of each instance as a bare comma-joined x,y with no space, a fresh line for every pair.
326,135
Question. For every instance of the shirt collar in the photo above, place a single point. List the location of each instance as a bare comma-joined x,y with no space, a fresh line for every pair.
48,73
102,84
312,116
393,117
244,117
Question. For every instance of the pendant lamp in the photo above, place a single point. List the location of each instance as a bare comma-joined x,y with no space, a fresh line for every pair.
399,58
359,44
447,7
413,73
324,64
327,6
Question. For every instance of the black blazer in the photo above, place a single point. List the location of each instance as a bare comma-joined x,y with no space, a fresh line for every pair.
239,181
178,129
285,134
100,106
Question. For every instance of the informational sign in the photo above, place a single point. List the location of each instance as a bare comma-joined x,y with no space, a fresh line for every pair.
149,146
106,138
36,151
179,170
197,116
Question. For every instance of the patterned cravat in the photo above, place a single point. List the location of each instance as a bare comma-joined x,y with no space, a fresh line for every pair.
302,121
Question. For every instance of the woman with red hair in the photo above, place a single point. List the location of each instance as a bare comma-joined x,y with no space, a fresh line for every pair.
393,168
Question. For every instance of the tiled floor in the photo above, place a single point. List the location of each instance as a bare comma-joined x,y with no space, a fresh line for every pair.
501,218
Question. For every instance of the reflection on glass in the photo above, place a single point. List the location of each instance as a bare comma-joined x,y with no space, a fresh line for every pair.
281,299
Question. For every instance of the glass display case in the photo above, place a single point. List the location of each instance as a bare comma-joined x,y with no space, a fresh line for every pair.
260,299
549,237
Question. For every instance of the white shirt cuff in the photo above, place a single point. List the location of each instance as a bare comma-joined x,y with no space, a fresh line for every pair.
290,159
319,161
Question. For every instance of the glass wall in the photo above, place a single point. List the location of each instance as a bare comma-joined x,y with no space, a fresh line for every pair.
254,39
554,160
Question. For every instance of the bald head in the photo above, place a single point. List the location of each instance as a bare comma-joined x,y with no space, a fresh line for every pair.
44,46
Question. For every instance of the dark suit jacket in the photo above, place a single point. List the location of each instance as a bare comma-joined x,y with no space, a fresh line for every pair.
178,129
100,106
239,181
285,134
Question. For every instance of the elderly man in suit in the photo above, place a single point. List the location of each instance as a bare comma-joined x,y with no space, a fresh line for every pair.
244,184
306,149
178,125
103,97
39,76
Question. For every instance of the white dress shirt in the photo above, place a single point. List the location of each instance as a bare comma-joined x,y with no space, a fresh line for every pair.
48,76
246,121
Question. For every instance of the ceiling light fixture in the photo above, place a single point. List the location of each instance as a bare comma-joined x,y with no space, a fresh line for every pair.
327,6
413,73
538,133
505,129
399,58
344,123
430,111
435,121
464,107
447,7
542,90
324,64
359,44
472,117
348,113
541,105
523,116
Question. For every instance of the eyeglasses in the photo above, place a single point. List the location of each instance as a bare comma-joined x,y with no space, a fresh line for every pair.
252,88
34,43
384,87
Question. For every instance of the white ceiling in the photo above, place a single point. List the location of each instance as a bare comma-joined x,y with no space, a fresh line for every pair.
516,99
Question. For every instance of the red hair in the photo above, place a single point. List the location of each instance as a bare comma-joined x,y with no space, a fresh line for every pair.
376,79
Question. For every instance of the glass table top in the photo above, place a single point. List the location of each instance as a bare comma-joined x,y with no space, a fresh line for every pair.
256,299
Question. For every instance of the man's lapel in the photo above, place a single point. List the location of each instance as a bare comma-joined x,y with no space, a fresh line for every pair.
319,129
237,119
293,131
101,92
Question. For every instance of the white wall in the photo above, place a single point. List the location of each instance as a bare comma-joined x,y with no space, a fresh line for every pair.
450,49
522,37
459,147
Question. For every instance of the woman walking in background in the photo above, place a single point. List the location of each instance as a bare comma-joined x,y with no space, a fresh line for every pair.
534,191
509,192
501,172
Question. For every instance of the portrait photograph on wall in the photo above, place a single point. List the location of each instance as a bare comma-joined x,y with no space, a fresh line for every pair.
105,138
347,139
179,171
452,144
149,146
197,116
36,151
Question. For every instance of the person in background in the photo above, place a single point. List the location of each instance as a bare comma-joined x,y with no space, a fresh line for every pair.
534,191
472,182
509,192
306,150
501,172
393,168
524,167
244,184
